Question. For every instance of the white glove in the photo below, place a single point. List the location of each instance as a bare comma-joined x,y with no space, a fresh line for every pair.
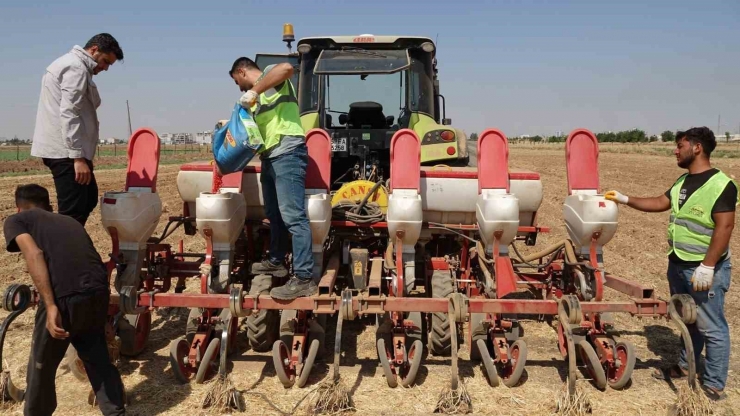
248,99
702,278
616,197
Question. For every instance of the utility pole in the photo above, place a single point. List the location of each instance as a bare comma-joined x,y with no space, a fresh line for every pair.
129,119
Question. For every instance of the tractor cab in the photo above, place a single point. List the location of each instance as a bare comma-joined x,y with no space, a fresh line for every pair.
361,90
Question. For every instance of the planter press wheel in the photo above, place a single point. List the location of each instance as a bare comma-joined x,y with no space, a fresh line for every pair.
593,365
207,362
16,300
618,377
385,358
134,333
307,365
281,360
562,342
414,359
179,350
488,364
682,310
566,306
512,373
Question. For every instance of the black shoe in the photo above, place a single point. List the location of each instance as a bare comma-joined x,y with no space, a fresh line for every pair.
295,288
713,394
268,267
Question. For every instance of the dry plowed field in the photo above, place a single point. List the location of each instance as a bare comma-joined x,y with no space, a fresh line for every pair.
637,253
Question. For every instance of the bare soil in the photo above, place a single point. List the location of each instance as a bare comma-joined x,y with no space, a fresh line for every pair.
636,252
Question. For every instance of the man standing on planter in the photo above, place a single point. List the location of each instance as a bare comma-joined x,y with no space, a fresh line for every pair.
271,98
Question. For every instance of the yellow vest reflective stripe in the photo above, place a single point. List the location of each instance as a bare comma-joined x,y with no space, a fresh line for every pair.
691,227
277,115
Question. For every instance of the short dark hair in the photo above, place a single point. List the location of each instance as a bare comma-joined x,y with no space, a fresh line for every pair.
106,44
242,62
32,195
699,135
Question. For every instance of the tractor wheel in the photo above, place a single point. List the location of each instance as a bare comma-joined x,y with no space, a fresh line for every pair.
439,341
263,326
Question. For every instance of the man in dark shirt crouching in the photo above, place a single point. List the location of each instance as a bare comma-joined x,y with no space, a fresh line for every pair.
73,285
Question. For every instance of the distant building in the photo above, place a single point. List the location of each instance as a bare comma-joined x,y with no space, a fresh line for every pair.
177,138
204,137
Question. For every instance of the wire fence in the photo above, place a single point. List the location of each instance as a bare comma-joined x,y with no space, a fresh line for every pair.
21,152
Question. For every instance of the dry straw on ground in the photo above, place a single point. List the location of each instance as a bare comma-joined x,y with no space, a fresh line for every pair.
454,402
330,398
691,402
4,378
222,396
577,404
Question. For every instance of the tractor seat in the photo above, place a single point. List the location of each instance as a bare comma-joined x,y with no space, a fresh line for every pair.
367,115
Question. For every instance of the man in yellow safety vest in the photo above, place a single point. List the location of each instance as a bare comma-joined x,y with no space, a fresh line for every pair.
702,204
271,98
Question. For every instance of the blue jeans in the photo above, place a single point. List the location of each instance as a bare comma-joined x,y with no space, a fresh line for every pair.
284,191
711,327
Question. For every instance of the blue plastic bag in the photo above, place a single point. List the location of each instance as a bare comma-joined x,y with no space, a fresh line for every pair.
236,142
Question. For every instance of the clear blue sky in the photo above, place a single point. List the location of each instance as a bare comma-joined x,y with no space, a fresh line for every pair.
524,67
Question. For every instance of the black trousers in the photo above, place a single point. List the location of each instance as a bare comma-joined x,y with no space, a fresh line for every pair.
84,317
73,199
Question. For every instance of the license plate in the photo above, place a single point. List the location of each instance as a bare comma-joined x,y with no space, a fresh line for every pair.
339,144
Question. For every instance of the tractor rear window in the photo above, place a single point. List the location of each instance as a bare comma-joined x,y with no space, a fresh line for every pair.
361,61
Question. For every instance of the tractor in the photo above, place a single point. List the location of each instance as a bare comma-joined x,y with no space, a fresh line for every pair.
363,89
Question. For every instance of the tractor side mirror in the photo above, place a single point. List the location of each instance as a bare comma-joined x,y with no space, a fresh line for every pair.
446,121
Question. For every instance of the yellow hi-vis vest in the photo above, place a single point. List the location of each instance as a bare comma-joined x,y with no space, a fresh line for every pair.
277,115
690,228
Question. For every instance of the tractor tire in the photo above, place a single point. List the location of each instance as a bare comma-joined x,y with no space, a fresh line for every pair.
262,327
439,341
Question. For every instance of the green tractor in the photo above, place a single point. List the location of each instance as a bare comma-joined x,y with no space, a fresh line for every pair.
361,90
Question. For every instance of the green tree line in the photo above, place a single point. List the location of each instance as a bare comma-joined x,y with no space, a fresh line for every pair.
626,136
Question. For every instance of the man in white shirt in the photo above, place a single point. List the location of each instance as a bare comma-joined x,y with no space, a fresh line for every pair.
67,127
